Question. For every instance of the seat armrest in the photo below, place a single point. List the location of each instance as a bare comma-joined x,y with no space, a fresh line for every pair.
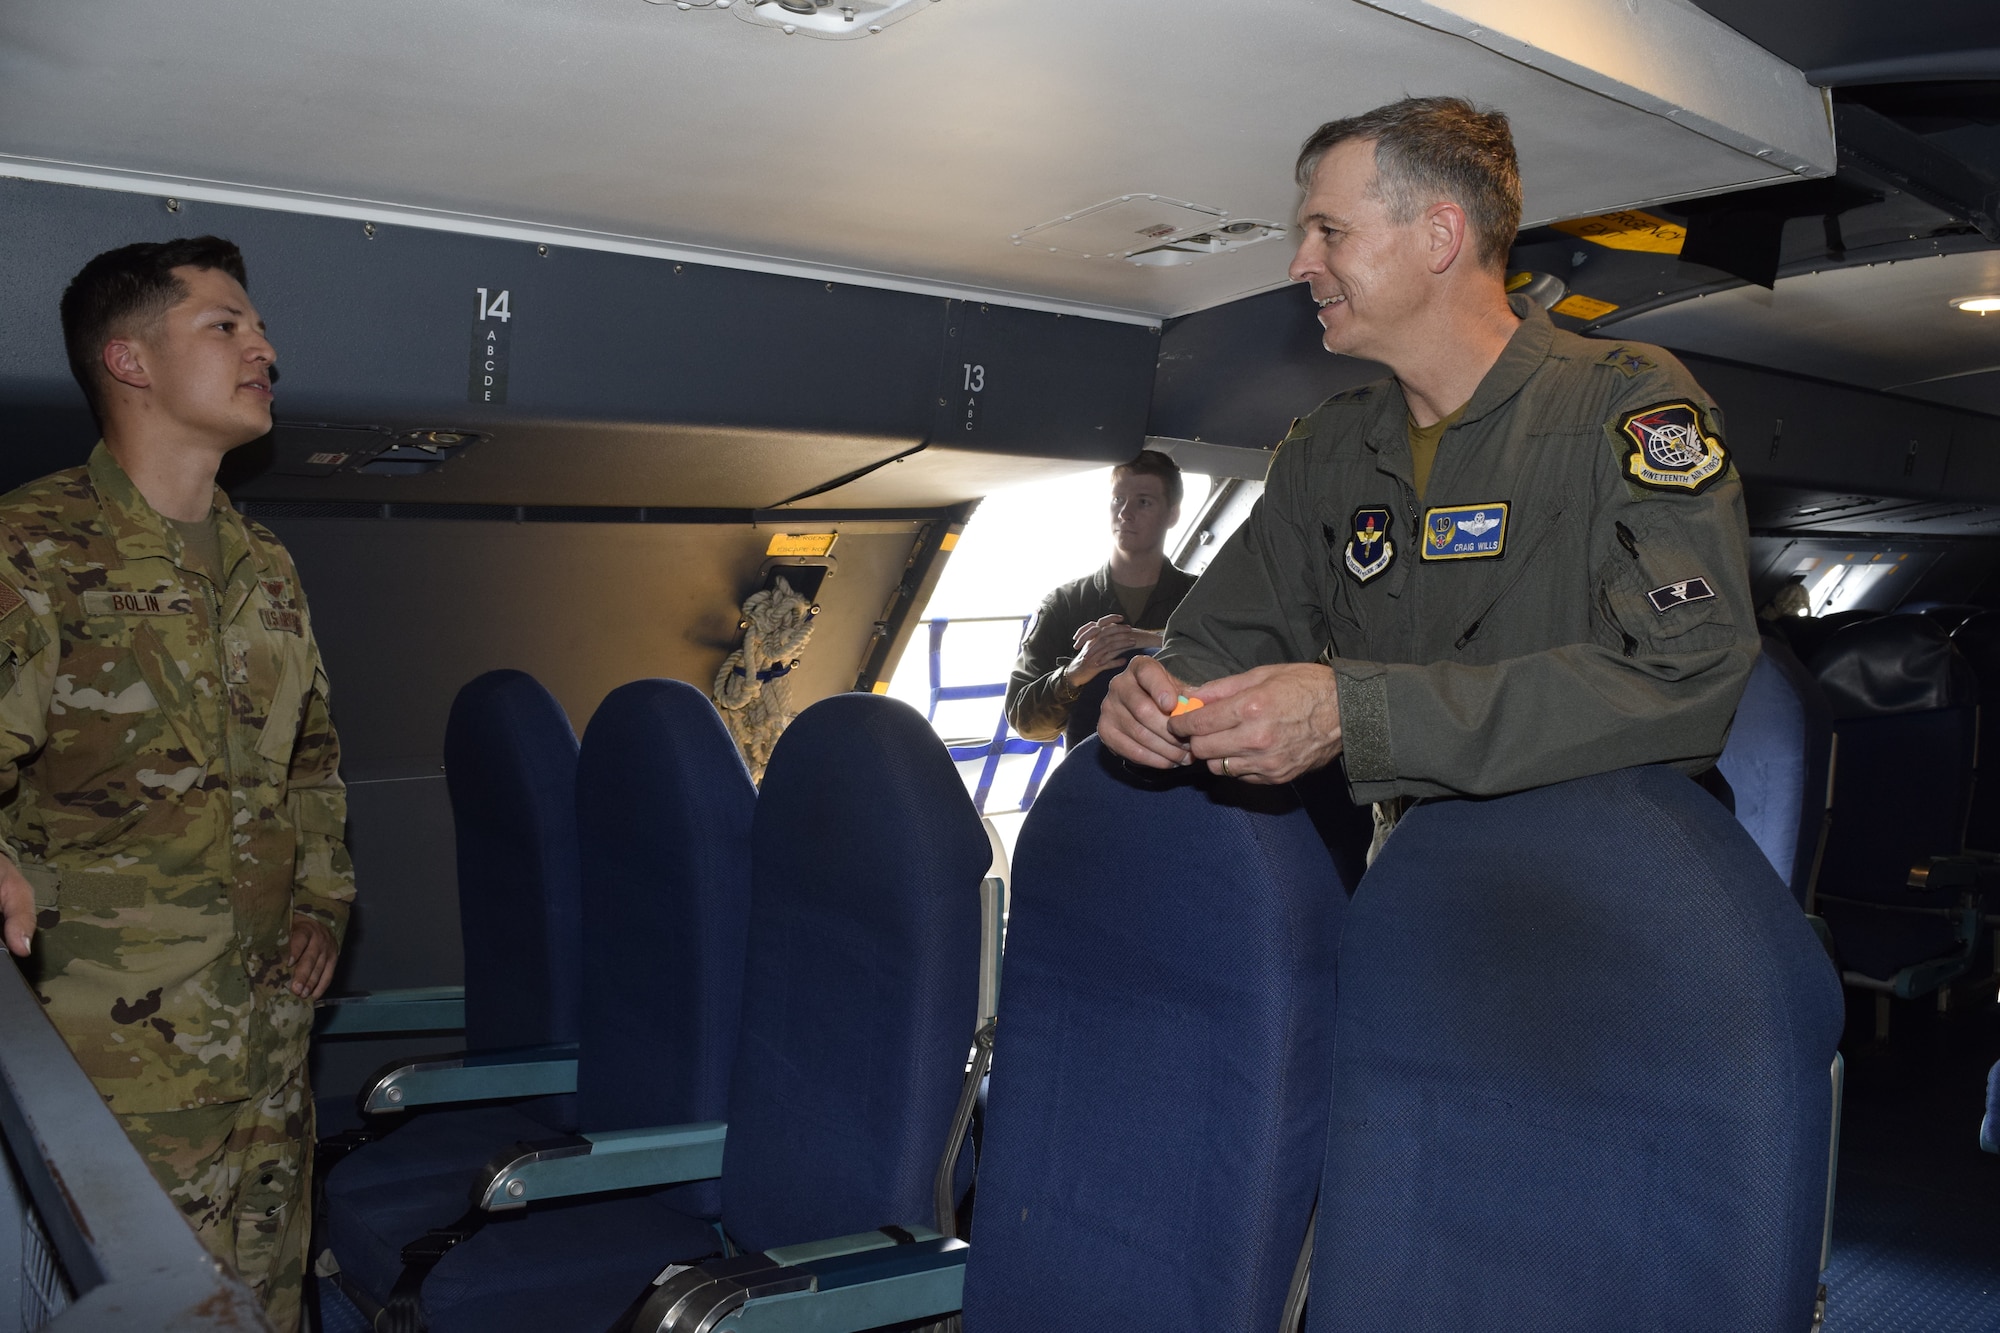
877,1282
597,1163
528,1071
368,1013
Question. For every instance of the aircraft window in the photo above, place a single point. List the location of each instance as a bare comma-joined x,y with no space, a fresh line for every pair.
1859,579
1021,543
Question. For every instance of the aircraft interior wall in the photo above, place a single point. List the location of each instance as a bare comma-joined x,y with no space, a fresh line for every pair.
623,435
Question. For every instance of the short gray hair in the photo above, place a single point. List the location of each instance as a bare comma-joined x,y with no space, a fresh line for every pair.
1431,148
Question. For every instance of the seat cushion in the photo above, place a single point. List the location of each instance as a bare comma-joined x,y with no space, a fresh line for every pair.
387,1193
562,1266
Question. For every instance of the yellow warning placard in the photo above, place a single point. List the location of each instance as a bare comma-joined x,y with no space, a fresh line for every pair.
801,543
948,542
1629,229
1579,306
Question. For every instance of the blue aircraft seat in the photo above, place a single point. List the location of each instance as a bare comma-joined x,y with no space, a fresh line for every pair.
510,764
860,997
1159,1098
1977,639
1989,1128
1582,1074
1776,762
664,808
1905,709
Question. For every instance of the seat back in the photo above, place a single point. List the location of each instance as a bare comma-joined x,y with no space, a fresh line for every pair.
861,991
1776,762
1977,639
1581,1074
663,810
1160,1069
510,765
1904,707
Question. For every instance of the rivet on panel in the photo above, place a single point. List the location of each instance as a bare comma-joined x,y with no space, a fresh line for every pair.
368,230
542,250
173,205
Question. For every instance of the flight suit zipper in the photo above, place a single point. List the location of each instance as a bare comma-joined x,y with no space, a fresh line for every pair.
1520,571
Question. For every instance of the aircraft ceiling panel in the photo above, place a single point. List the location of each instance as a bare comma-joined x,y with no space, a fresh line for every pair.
1880,326
915,156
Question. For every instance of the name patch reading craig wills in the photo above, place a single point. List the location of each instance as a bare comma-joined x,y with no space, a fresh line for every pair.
1466,532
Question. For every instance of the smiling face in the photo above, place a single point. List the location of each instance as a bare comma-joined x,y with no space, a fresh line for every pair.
205,365
1140,514
1366,270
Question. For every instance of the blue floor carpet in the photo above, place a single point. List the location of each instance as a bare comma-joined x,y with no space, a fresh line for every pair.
1916,1231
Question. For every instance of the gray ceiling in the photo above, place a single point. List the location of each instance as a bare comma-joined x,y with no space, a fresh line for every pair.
1880,326
914,156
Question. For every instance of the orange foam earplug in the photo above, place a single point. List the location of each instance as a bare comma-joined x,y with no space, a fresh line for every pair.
1186,705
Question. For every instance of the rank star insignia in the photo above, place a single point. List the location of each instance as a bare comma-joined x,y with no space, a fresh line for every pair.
1670,449
1371,551
1627,362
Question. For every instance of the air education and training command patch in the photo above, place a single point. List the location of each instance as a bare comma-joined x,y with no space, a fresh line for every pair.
1466,532
1371,551
1670,449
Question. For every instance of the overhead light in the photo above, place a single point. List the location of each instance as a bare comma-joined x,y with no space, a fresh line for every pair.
1978,305
837,19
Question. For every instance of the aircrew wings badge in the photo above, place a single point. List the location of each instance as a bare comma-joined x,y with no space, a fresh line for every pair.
1671,449
1370,551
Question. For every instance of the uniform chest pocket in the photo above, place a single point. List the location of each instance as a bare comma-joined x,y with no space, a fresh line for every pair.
296,679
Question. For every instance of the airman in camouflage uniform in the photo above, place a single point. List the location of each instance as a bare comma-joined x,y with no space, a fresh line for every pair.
169,788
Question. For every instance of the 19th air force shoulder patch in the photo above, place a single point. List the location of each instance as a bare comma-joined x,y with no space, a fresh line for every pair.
1671,448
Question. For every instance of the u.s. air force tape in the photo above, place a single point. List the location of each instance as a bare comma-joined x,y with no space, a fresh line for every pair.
1672,450
1680,594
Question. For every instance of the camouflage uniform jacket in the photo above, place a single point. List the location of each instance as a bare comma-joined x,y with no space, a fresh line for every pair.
168,784
1570,596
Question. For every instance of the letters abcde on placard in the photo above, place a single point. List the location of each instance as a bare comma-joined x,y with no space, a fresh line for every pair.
486,380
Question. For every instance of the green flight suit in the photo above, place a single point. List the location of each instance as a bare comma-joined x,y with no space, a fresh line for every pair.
169,785
1572,595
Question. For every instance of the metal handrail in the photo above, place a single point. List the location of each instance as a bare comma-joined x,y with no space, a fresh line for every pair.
130,1259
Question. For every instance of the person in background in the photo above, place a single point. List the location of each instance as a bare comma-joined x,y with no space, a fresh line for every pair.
173,869
1085,631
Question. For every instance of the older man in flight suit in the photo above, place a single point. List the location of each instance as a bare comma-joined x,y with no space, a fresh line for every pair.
172,867
1521,560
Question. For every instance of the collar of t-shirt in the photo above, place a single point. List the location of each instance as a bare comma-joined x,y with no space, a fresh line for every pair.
1132,599
1424,446
202,541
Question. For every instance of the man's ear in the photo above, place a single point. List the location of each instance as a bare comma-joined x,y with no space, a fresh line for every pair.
1444,234
125,361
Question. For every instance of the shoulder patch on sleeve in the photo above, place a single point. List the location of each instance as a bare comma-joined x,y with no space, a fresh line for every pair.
10,600
1671,448
1627,362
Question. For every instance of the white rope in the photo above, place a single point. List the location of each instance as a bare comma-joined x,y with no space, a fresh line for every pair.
752,689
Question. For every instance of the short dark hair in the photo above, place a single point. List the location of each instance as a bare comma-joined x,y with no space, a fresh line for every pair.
1431,148
126,289
1153,463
